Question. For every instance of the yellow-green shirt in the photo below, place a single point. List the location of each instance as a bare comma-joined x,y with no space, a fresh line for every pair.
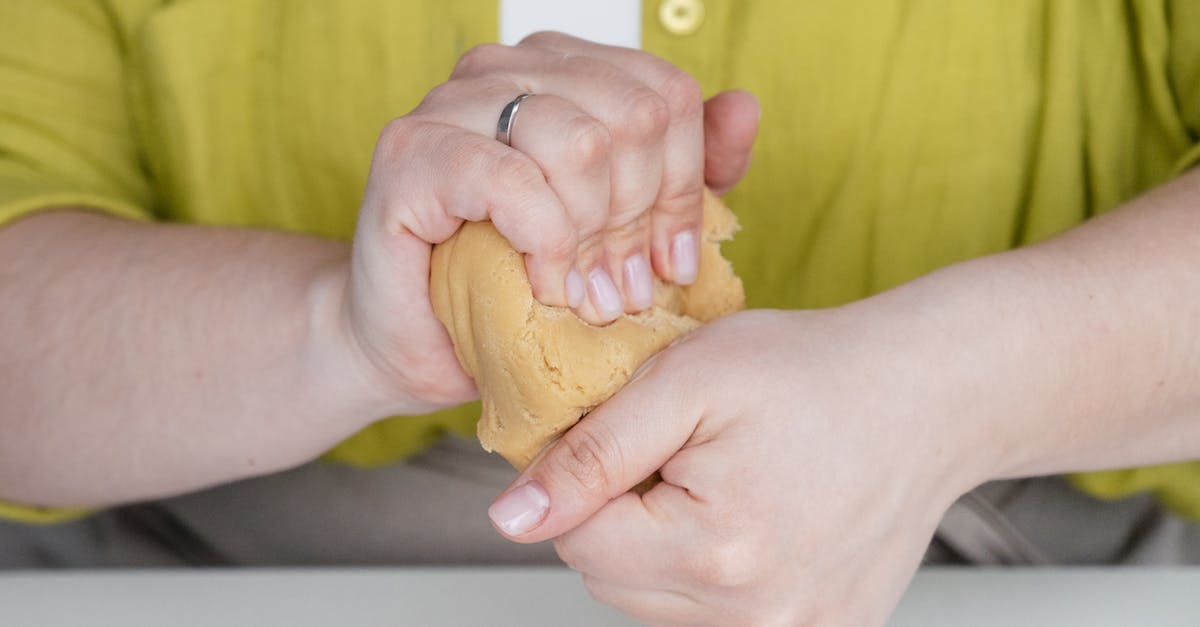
897,136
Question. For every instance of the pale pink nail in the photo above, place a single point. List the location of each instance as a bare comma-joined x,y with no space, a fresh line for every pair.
684,258
639,285
574,289
521,509
604,294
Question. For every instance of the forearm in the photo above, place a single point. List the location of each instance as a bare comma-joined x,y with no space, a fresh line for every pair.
1076,354
142,360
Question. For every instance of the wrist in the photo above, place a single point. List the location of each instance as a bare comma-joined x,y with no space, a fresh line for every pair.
1007,361
334,358
942,377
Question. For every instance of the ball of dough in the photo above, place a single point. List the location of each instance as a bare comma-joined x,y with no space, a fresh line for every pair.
540,369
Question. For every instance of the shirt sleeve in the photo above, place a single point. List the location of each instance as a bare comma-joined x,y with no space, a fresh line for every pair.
66,138
1184,72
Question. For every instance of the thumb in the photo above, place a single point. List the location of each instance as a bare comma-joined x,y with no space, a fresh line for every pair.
730,124
613,449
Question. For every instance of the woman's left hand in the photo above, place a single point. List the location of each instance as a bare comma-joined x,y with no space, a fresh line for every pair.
805,465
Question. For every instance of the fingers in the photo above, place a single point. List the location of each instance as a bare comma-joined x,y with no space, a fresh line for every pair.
611,450
598,112
730,125
624,527
636,115
677,205
616,264
626,124
573,150
422,165
582,163
644,552
635,555
627,555
577,155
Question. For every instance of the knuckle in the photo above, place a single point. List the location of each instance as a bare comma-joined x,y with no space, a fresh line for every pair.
450,94
542,38
461,153
589,67
559,245
588,142
515,173
443,101
683,95
397,135
436,97
646,116
685,206
567,553
626,233
631,220
728,563
519,183
597,591
582,455
437,388
590,226
478,59
789,615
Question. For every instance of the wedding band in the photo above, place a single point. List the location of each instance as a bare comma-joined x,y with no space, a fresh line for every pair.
507,117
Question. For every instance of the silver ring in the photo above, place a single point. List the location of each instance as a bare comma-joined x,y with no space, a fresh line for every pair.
507,117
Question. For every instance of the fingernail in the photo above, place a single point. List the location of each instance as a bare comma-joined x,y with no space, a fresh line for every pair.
684,259
521,509
604,294
574,289
639,285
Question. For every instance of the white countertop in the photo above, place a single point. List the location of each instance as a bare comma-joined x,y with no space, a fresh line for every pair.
549,596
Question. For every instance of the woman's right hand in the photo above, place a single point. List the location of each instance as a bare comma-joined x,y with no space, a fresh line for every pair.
600,188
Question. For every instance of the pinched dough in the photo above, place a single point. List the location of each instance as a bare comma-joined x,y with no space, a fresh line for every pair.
540,369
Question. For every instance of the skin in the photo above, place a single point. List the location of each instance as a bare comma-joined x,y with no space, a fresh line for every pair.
807,456
145,360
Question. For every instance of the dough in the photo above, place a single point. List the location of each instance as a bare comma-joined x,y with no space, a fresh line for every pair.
540,369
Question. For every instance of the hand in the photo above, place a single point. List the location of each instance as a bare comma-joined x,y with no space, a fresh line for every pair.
804,466
601,186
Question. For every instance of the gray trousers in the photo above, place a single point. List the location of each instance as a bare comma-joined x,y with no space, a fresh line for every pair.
432,510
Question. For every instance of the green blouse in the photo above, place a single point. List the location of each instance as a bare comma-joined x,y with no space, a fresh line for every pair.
897,136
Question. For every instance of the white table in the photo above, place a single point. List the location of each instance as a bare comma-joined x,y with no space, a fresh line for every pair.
530,597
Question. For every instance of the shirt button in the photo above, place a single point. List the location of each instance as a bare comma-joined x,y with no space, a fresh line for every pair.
681,17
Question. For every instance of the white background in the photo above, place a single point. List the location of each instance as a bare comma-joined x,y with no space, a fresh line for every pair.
614,22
